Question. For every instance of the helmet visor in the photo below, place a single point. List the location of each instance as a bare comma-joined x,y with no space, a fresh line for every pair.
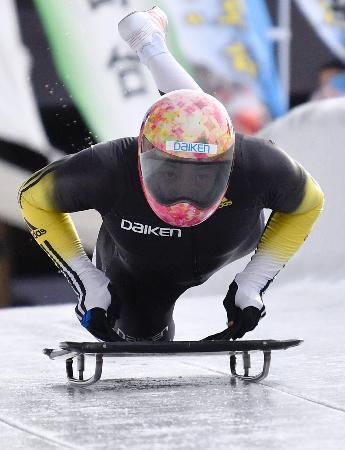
172,180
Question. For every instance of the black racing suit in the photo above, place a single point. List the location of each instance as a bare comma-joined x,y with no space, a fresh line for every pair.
149,263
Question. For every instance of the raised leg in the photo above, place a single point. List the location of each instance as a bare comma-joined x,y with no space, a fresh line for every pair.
144,32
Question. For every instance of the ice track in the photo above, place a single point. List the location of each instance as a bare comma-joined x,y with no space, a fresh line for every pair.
180,403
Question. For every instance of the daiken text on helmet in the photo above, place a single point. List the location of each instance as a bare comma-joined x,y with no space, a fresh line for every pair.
191,147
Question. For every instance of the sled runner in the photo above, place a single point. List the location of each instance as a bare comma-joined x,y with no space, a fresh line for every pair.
77,350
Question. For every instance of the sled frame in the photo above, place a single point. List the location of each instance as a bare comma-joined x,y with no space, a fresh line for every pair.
76,351
99,366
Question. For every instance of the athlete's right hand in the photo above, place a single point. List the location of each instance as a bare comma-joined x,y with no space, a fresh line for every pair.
95,298
97,323
243,316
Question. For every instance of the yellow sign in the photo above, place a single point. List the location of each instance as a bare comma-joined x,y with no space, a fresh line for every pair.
241,59
233,13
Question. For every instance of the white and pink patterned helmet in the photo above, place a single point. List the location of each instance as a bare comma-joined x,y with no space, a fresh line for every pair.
186,147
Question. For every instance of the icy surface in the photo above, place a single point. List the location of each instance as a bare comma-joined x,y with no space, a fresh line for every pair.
180,402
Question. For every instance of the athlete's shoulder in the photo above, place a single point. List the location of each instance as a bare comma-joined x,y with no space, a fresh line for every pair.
272,175
258,155
117,149
96,177
253,146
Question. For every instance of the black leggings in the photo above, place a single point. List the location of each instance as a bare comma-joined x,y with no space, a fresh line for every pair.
143,311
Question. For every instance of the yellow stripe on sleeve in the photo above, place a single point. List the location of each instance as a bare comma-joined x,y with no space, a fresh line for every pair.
286,232
46,224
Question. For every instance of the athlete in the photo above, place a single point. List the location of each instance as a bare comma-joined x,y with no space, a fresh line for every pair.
178,202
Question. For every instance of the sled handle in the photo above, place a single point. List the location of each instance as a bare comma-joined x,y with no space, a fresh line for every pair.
52,354
81,367
246,366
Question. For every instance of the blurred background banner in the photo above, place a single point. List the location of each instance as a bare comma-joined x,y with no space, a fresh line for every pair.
225,44
104,78
68,81
20,121
328,19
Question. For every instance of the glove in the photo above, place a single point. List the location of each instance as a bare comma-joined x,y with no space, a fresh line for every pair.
97,323
98,306
241,318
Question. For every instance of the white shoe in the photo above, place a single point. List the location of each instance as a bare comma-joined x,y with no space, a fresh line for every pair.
140,29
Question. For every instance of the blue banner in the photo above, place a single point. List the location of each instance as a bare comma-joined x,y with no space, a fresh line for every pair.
258,43
226,46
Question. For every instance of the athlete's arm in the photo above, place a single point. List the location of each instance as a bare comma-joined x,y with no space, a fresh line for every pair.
74,183
279,183
296,201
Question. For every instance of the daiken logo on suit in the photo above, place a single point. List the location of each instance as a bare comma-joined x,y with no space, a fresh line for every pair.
141,228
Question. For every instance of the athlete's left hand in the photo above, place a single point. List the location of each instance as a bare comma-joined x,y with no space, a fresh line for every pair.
244,309
95,320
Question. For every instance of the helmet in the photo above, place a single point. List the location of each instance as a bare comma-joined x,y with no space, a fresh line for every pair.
186,147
